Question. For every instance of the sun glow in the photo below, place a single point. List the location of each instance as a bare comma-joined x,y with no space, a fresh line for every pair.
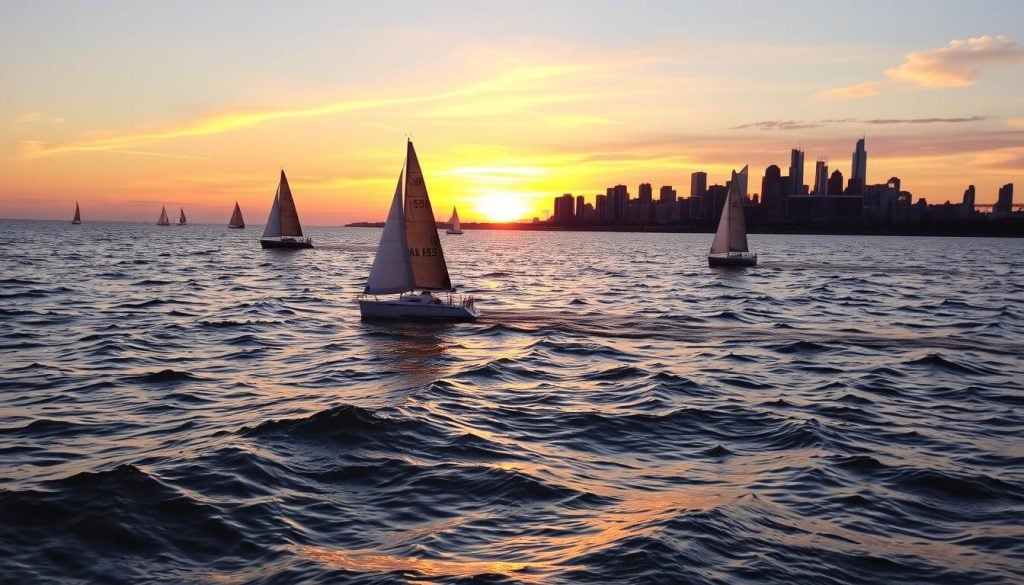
501,207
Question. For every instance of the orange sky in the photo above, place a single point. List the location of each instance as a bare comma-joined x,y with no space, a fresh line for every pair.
125,110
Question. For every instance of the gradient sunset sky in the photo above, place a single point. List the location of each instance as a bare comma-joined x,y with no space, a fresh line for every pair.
127,106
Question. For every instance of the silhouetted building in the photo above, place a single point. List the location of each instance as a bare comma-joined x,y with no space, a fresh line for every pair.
601,208
835,183
715,202
667,194
859,168
772,196
698,184
620,204
821,178
796,172
564,209
1004,205
646,203
580,206
967,206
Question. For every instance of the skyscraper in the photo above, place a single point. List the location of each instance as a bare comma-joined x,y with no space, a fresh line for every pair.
796,172
580,206
821,178
667,194
771,194
698,184
564,209
967,206
835,183
859,170
1004,205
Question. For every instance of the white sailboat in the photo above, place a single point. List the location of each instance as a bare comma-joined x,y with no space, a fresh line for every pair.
181,218
456,227
410,258
78,216
164,220
283,228
236,220
729,247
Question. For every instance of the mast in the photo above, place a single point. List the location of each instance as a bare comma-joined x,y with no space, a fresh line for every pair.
429,269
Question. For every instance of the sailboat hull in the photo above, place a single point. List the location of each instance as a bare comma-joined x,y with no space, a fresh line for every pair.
733,259
453,232
288,244
76,222
413,308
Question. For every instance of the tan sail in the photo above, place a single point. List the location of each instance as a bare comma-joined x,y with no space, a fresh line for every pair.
428,266
289,215
236,218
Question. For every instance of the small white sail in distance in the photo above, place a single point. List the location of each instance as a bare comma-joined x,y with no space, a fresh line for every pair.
456,227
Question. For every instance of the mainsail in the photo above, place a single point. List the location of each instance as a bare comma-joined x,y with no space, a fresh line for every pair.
273,227
236,217
164,220
392,271
428,266
181,218
289,215
731,235
78,215
454,221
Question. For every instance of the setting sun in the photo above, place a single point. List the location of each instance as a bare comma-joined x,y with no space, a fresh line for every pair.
501,207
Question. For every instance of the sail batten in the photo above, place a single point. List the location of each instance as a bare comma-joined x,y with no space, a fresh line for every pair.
430,272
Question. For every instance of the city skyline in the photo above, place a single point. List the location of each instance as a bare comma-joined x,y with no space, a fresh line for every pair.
127,107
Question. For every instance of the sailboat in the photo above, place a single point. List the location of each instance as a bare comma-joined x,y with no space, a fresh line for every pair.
164,220
78,216
456,227
236,220
181,218
283,229
410,257
729,247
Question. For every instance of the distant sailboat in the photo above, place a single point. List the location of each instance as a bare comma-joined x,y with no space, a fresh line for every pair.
78,216
410,257
164,220
283,229
181,218
729,247
236,218
456,228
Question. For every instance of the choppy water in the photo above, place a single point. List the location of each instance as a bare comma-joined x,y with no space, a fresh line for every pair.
178,405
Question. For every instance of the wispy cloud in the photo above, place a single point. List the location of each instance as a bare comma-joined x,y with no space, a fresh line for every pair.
850,92
34,117
1015,122
802,124
959,63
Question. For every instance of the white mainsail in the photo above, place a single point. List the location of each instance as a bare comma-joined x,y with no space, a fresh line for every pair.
392,271
164,220
429,269
181,218
273,228
731,235
236,217
78,215
454,221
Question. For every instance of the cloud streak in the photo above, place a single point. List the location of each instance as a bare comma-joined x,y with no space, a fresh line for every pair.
803,125
958,64
850,92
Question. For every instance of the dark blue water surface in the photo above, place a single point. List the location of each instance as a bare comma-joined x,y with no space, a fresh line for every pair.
179,406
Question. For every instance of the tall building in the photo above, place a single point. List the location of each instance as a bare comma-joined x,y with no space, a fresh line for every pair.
620,204
821,178
772,196
564,209
835,183
1004,205
646,193
667,194
581,204
859,168
601,208
698,184
796,172
967,207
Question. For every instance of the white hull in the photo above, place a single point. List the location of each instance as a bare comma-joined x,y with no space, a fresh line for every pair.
411,307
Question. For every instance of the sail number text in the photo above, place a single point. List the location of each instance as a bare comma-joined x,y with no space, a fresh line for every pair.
425,252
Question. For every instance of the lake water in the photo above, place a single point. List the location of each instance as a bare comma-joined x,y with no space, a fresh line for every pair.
178,405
